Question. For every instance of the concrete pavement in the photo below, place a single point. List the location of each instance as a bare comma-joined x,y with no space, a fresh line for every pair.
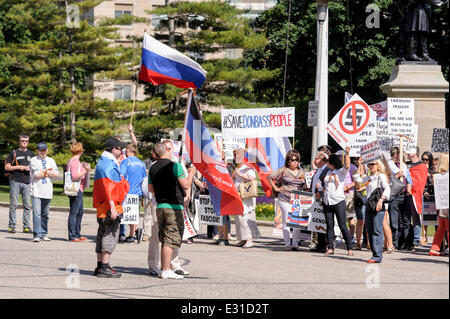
62,269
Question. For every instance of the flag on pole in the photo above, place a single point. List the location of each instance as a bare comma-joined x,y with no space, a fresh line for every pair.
206,158
161,64
266,155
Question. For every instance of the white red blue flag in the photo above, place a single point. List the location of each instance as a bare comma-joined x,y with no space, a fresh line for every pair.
266,155
206,158
161,64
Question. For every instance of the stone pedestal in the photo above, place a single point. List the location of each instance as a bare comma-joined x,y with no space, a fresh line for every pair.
425,84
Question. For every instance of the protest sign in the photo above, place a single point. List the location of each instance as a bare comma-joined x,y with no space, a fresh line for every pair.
130,210
264,122
176,150
229,145
400,116
317,221
371,152
409,143
313,108
299,215
441,190
308,178
206,212
439,142
189,230
353,125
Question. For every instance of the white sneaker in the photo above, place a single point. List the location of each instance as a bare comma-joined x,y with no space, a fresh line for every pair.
36,240
169,274
181,271
46,238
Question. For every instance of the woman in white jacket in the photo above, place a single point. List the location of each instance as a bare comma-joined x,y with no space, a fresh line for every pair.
377,178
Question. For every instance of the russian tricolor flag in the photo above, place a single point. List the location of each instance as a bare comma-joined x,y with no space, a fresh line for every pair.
206,158
266,155
160,64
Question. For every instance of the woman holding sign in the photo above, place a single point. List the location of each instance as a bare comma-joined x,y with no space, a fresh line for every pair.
378,190
334,200
283,181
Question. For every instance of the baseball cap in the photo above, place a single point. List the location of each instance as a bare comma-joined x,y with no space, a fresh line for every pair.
41,146
113,142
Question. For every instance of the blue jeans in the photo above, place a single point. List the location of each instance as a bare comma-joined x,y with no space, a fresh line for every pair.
41,208
15,190
75,215
395,208
374,223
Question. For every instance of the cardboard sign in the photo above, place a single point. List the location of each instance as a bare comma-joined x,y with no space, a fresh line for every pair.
299,215
441,190
206,213
317,221
130,210
313,108
439,143
371,152
400,116
353,125
264,122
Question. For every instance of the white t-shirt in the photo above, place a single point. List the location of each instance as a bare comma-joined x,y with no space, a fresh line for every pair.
334,186
42,187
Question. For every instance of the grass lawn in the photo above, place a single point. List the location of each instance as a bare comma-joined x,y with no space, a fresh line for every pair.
59,199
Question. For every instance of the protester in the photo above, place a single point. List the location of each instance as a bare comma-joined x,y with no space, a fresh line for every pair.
17,165
284,181
334,200
398,205
79,172
428,194
349,192
319,241
42,169
376,182
419,173
171,188
134,171
110,190
360,198
442,213
246,228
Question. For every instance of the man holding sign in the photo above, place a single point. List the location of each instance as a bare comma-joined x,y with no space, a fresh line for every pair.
134,171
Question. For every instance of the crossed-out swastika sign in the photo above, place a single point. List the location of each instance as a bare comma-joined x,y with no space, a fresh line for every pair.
353,125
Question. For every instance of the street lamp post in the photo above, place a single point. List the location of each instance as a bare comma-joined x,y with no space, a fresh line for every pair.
320,135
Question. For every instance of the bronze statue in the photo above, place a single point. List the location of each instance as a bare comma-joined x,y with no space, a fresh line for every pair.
415,28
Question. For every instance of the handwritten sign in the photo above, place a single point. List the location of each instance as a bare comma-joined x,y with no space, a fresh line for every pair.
441,190
371,152
130,210
439,142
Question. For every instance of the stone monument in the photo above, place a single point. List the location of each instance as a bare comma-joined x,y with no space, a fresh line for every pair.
416,74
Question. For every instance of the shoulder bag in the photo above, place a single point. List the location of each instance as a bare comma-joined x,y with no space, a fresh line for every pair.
248,189
374,197
70,187
396,186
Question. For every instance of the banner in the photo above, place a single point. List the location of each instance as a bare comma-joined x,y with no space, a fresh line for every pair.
299,215
264,122
371,152
130,210
353,125
441,190
206,213
439,142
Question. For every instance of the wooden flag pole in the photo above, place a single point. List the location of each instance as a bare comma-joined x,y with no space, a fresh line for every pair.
134,101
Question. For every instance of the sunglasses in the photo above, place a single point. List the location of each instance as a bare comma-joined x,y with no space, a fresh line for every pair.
294,159
371,164
425,159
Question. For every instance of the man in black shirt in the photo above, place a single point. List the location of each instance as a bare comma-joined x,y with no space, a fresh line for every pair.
18,166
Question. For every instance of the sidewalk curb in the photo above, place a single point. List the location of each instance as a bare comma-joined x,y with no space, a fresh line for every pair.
94,211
